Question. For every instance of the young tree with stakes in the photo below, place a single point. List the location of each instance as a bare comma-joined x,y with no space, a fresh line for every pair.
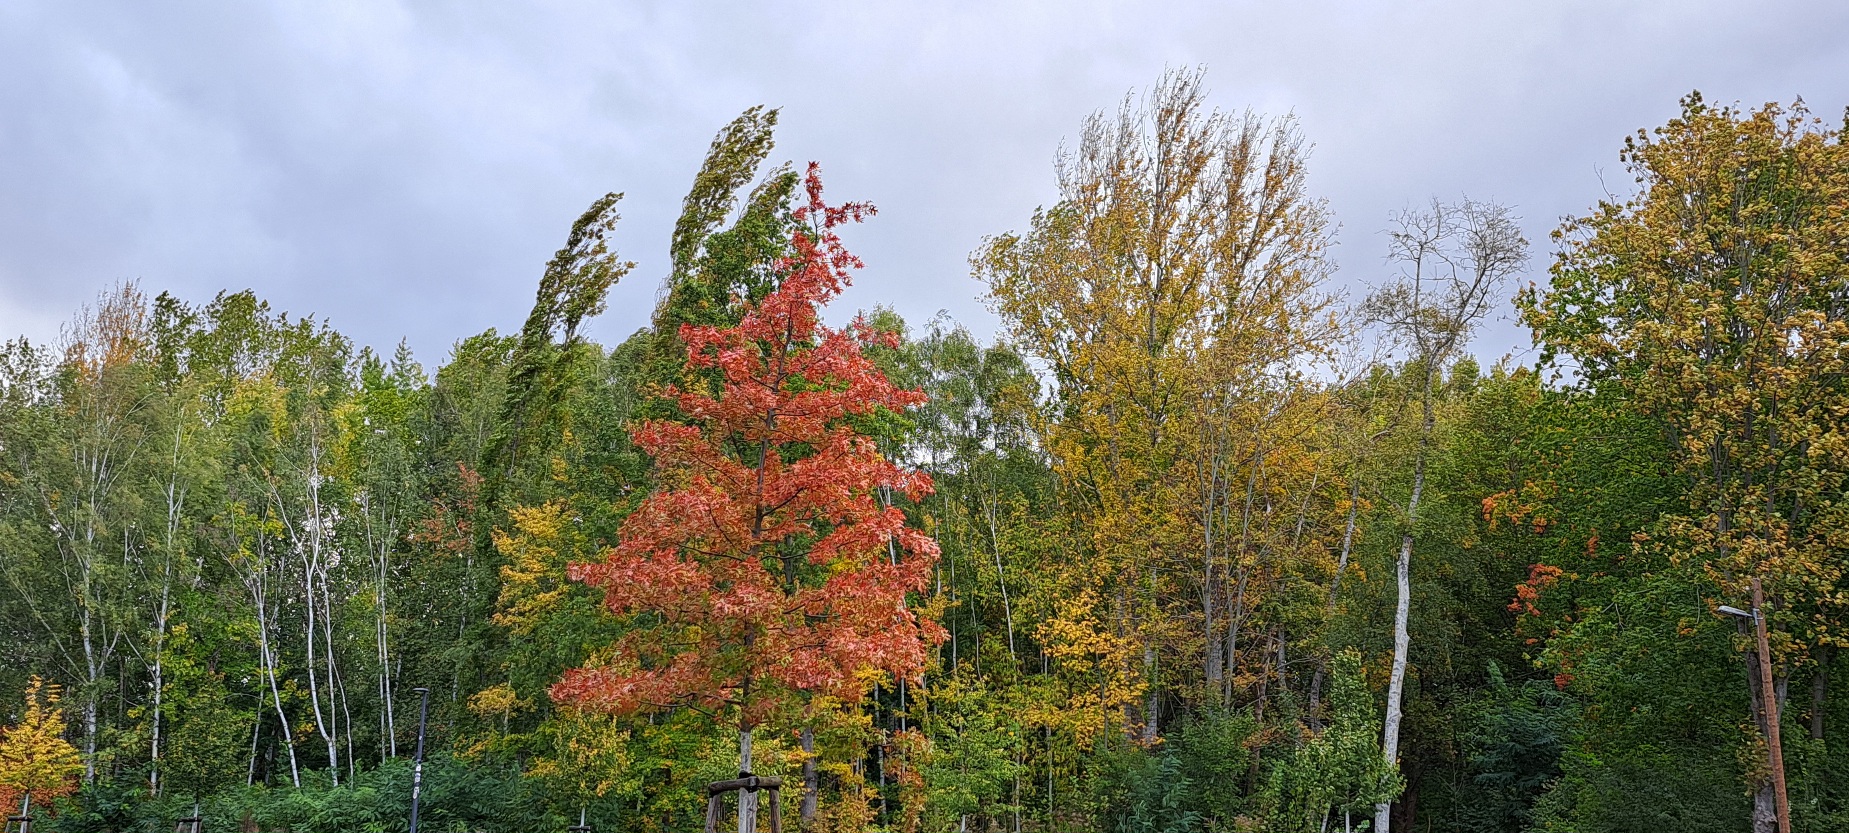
765,568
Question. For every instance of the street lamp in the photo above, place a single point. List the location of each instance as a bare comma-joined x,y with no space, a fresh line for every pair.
417,765
1768,701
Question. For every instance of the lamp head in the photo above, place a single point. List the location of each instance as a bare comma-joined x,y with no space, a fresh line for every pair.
1734,611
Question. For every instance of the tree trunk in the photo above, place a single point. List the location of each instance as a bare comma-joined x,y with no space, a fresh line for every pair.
1396,685
811,779
1819,693
1152,702
1214,653
1765,808
159,683
379,540
267,655
95,659
747,799
1236,613
1335,587
1235,618
1001,576
1212,661
256,731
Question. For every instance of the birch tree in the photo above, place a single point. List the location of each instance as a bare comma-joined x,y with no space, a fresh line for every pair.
76,446
1453,259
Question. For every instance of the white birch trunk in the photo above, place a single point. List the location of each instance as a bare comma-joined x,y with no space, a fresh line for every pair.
1396,684
176,502
255,583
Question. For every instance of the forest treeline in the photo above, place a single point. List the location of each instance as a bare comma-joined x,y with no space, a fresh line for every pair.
1215,548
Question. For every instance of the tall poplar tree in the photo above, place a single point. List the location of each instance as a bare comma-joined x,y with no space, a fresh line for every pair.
1174,293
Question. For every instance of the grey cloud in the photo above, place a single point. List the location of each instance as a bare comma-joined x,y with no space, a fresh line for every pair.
404,169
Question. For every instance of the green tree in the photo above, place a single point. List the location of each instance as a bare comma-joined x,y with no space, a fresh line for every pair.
971,762
1714,301
1340,772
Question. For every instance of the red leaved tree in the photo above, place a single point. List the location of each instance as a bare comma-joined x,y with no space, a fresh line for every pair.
765,568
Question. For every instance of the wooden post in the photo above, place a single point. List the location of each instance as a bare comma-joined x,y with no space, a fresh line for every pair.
1769,698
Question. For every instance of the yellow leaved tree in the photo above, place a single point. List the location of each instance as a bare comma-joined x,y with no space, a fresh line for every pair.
35,759
1716,301
1174,293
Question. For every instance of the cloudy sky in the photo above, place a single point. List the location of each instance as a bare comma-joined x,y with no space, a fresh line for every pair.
404,169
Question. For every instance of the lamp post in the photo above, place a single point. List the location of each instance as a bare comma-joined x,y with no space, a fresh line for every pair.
1769,702
417,764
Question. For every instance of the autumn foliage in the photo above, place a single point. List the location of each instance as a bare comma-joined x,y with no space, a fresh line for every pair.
766,564
34,756
1221,550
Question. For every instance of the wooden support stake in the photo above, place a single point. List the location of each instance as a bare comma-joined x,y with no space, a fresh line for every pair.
750,783
712,813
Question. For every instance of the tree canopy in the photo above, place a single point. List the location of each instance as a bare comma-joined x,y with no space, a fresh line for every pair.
1193,543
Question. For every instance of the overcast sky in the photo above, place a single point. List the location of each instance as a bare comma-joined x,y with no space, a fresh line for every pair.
405,169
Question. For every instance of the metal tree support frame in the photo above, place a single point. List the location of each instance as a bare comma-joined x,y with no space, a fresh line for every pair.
746,782
194,823
21,823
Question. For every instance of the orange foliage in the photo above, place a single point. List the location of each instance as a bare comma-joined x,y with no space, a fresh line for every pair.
34,756
1529,504
766,565
1540,577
